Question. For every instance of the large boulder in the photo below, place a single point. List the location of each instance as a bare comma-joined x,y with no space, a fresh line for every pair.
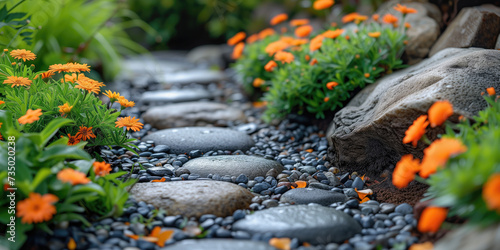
367,134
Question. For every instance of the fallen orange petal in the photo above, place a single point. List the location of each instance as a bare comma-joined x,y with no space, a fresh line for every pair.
280,243
164,236
301,184
71,244
133,236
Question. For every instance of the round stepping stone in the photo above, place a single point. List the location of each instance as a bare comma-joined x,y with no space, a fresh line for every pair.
220,244
184,140
312,195
181,95
193,198
313,224
234,165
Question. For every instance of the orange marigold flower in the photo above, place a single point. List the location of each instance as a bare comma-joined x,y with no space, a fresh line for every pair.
491,91
113,96
45,75
257,82
333,33
125,103
85,133
376,17
299,22
422,246
367,75
101,168
439,112
303,30
374,34
129,123
279,18
253,38
88,84
326,99
284,57
17,81
298,42
316,43
331,85
431,219
65,109
275,47
349,17
72,176
36,208
266,32
238,50
438,153
416,130
31,116
71,78
490,192
77,67
1,102
60,68
405,171
269,67
281,243
236,38
404,10
313,61
390,19
23,54
73,140
323,4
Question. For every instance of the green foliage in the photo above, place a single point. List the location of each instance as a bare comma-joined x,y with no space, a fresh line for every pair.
14,26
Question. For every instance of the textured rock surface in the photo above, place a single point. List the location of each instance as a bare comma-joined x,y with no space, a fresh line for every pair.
183,140
312,195
313,224
193,198
191,114
193,76
471,238
220,244
473,27
232,165
181,95
367,134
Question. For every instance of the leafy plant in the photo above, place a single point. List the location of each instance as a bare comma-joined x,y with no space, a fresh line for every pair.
15,26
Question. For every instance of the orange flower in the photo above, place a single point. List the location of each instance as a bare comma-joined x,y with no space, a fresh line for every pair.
313,61
323,4
299,22
77,67
303,30
17,81
22,54
257,82
31,116
374,34
331,85
422,246
431,219
279,18
70,78
404,10
36,208
281,243
236,38
298,42
65,109
238,50
307,57
349,17
275,47
73,140
88,84
326,99
439,112
266,32
129,123
45,75
316,43
376,17
367,75
490,192
284,57
259,104
437,154
159,236
1,102
333,33
416,130
60,68
101,168
72,176
125,103
360,18
253,38
269,67
405,171
85,133
113,96
390,19
407,25
491,91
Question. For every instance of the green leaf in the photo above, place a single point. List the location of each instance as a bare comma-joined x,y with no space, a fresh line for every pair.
52,128
40,176
62,152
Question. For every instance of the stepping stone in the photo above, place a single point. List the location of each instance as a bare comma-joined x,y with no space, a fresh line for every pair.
233,165
219,244
193,76
193,198
312,224
180,95
184,140
312,195
188,114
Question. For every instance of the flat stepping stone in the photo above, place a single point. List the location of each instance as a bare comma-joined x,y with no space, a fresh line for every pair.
177,95
234,165
312,195
184,140
193,198
312,224
189,114
219,244
193,76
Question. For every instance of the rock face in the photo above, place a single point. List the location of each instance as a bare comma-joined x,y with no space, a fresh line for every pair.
473,27
189,114
183,140
220,244
312,195
367,134
193,198
232,165
313,224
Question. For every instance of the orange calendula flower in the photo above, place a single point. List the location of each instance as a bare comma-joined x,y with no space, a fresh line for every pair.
405,171
77,67
276,46
31,116
73,140
266,32
431,219
45,75
316,43
298,42
253,38
69,175
101,168
390,19
65,109
125,103
303,30
279,19
60,68
299,22
374,34
269,67
323,4
490,192
333,33
404,10
416,130
326,99
113,96
439,112
129,123
313,61
438,153
491,91
85,133
367,75
88,84
238,50
23,54
17,81
70,78
422,246
331,85
240,36
349,17
281,243
36,208
284,57
375,17
257,82
1,102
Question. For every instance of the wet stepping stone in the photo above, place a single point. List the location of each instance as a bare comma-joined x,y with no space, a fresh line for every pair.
184,140
188,114
220,244
312,195
193,198
233,165
312,224
178,95
193,76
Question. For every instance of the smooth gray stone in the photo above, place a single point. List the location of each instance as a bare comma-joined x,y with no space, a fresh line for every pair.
184,140
180,95
312,195
193,76
313,224
233,165
219,244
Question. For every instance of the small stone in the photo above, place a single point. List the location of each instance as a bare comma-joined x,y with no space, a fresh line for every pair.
270,203
358,183
241,179
159,171
161,149
404,208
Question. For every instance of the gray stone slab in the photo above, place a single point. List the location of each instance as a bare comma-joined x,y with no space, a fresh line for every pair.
172,96
192,76
219,244
312,195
